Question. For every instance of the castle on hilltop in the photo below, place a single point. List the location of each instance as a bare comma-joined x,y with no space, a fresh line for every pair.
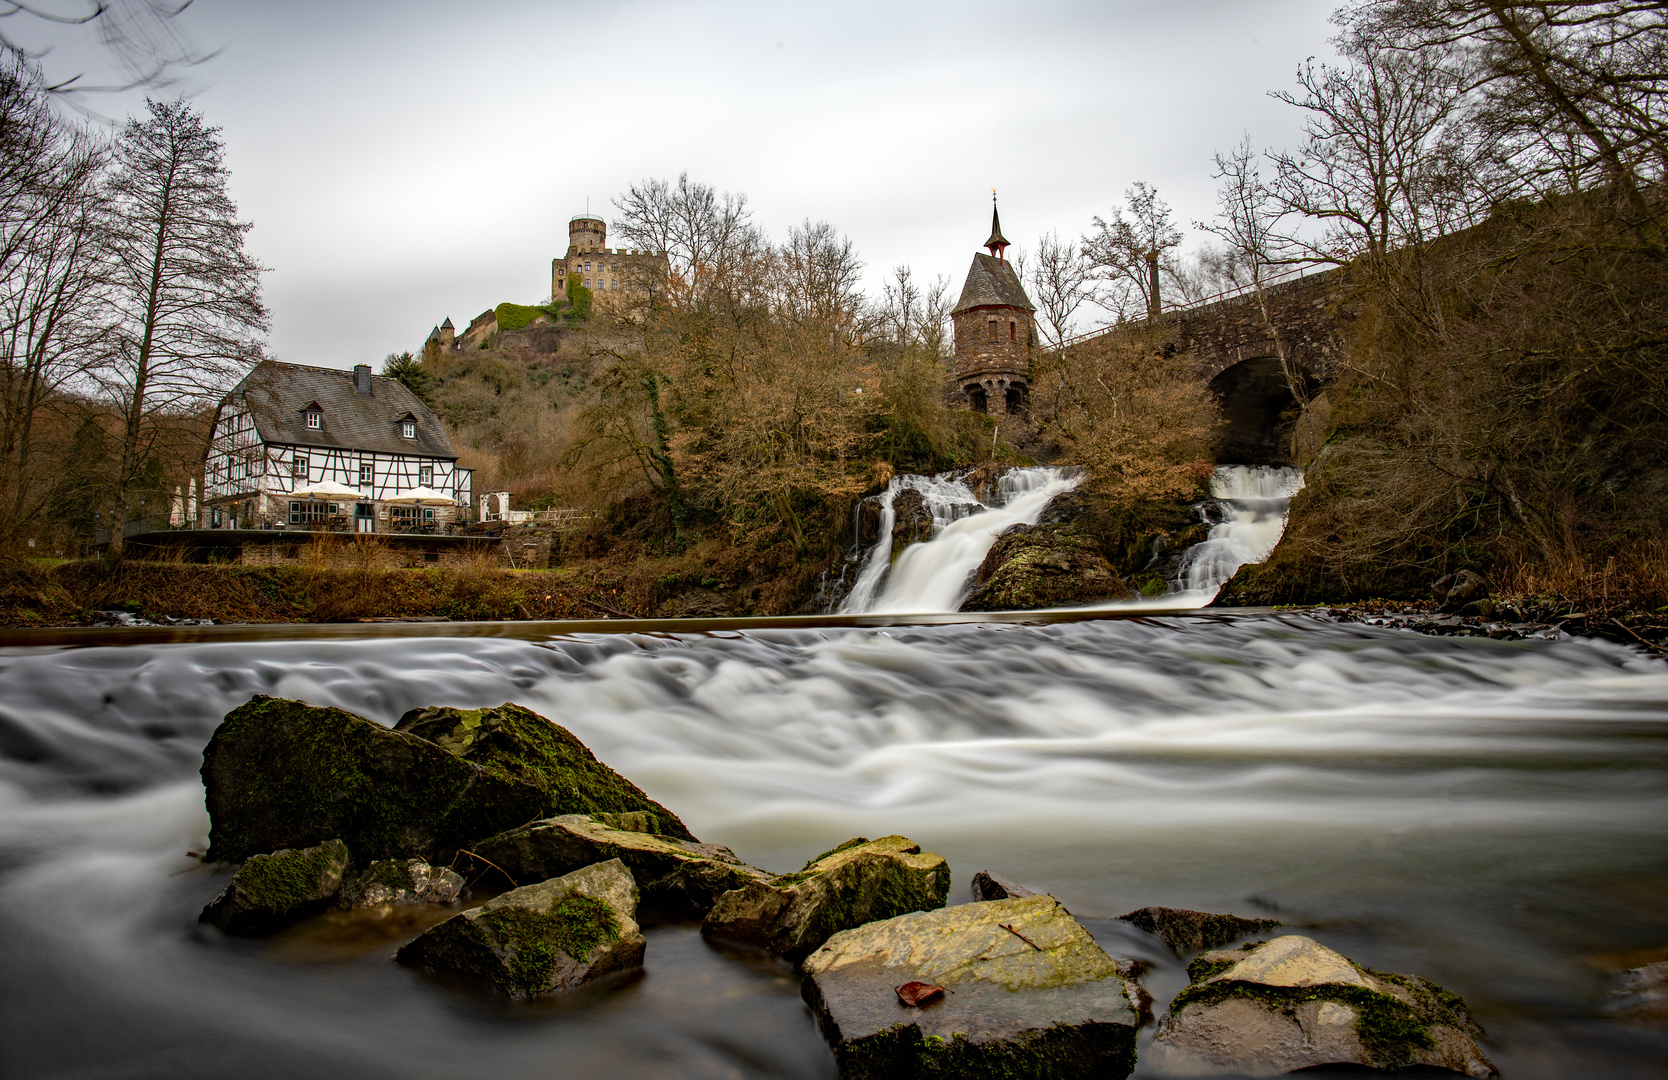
612,276
996,334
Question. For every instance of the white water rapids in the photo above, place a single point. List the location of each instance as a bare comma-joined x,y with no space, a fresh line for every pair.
1489,814
935,575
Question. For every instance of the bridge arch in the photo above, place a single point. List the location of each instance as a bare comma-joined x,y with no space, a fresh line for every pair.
1259,412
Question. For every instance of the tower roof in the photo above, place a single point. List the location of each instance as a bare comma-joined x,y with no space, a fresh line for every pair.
447,325
991,282
997,242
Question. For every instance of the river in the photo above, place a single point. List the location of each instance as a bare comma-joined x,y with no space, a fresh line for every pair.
1492,815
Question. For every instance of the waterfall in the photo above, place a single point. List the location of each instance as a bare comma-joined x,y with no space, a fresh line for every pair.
1250,502
933,576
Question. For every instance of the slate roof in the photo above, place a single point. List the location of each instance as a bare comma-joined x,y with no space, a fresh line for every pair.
276,394
992,282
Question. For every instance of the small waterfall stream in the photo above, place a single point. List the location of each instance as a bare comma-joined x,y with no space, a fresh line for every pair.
1248,510
935,575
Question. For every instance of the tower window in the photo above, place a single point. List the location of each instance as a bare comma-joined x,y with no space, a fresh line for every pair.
993,329
1011,335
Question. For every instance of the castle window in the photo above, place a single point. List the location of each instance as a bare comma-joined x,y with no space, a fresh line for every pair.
993,329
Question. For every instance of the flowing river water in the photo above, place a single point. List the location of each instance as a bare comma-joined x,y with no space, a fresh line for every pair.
1490,814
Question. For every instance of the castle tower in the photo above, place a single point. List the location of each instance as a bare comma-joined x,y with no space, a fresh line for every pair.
614,277
995,333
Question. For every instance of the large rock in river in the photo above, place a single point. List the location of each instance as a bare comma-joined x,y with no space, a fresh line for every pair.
268,890
858,882
1027,992
1184,931
673,876
282,773
1292,1003
540,939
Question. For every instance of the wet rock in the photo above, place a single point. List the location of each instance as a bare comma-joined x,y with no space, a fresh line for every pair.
673,876
1184,931
284,774
1454,592
856,883
1292,1003
269,890
911,520
1028,993
1038,566
400,881
1641,993
540,939
989,885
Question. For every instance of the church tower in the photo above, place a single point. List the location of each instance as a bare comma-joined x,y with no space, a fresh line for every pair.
995,333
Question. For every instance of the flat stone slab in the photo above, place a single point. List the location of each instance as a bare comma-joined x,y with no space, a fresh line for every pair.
1292,1003
858,882
540,939
673,876
1028,992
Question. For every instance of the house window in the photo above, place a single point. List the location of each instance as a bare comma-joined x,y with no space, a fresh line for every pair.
309,512
315,419
214,517
298,468
408,429
425,476
428,515
367,473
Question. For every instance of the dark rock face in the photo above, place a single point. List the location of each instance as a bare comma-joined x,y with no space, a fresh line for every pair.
268,890
911,520
858,882
1184,931
674,876
1029,993
540,939
989,885
286,774
1292,1003
400,881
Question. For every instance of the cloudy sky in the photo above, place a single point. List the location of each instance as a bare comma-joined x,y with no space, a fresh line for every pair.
407,160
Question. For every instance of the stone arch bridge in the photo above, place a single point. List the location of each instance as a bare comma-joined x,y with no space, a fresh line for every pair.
1233,343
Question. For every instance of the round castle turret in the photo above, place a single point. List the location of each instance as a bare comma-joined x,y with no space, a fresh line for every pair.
995,334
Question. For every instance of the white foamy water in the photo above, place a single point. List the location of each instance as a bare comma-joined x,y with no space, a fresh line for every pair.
935,575
1485,813
1252,502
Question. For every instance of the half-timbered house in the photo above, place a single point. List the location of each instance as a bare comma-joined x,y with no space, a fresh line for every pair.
306,448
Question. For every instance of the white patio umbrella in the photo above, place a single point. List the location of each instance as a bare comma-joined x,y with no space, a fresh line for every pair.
425,496
325,489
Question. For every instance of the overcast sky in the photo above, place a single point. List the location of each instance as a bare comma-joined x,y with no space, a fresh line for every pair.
405,160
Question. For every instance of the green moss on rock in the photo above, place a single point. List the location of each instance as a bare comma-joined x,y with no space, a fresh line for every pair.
270,889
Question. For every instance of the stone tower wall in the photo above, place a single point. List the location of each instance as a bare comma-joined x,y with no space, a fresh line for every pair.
979,353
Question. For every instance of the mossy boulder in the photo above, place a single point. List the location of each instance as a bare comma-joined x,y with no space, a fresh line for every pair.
282,773
271,889
1291,1003
1028,993
540,939
858,882
1184,931
400,881
519,743
675,877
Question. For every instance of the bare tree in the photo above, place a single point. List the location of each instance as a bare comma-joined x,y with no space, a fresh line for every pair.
143,37
707,235
819,279
189,311
1062,281
913,315
1131,253
52,268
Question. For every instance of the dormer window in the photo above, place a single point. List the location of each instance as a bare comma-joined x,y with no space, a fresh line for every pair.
408,426
315,419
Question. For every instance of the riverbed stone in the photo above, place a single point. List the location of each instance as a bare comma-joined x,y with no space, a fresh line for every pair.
674,876
989,885
400,881
540,939
281,773
1028,993
1184,931
1291,1003
858,882
1641,993
271,889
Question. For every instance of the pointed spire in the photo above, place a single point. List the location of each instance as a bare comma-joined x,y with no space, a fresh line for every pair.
998,244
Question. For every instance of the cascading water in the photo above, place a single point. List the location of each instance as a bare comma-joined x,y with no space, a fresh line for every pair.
1251,501
933,576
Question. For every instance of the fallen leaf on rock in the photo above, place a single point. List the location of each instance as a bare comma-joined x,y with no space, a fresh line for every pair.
916,994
